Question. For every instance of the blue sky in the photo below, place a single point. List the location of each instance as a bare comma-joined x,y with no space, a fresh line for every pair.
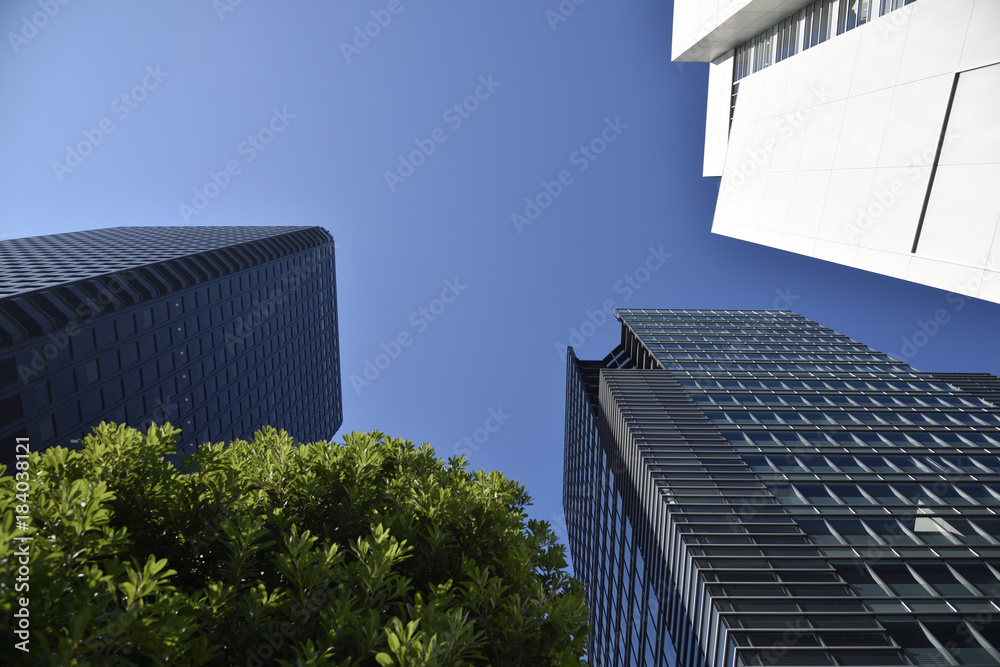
201,112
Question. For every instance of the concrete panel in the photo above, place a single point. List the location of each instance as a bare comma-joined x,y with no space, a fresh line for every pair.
831,251
748,100
935,36
791,134
803,245
892,264
804,71
973,135
860,134
777,199
837,64
981,44
846,195
763,144
831,150
808,200
740,142
916,118
962,214
772,97
990,287
945,275
889,219
822,135
881,50
752,199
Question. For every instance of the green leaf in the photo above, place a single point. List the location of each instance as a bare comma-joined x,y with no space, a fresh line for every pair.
275,552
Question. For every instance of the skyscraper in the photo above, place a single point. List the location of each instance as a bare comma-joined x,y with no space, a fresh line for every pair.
218,330
752,488
861,132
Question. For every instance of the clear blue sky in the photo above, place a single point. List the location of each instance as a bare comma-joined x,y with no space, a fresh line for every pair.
198,82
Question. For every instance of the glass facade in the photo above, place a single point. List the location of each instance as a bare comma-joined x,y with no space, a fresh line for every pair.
218,330
752,488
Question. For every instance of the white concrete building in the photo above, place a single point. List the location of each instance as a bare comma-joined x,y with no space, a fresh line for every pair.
864,132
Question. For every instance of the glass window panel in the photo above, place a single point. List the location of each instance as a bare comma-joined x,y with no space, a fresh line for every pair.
882,493
990,526
949,494
816,494
846,463
952,634
769,605
979,493
940,578
787,464
899,579
876,463
907,464
907,632
853,530
852,605
980,576
860,579
785,493
850,494
780,640
914,494
816,463
758,463
856,639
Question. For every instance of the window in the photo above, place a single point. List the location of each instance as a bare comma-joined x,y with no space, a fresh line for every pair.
852,14
817,23
899,579
890,5
981,576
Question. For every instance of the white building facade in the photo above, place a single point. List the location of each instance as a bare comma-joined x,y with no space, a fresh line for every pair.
863,132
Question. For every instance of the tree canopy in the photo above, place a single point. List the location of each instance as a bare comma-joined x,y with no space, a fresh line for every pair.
270,552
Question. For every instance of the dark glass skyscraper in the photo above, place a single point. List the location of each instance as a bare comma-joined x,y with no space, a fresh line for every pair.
218,330
752,488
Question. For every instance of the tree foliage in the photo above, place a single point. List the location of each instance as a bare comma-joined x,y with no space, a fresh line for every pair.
370,552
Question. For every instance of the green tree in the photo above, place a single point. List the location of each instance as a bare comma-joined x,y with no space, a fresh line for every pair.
271,553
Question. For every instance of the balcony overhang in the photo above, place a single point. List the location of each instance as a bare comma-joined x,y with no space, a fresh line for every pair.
706,29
